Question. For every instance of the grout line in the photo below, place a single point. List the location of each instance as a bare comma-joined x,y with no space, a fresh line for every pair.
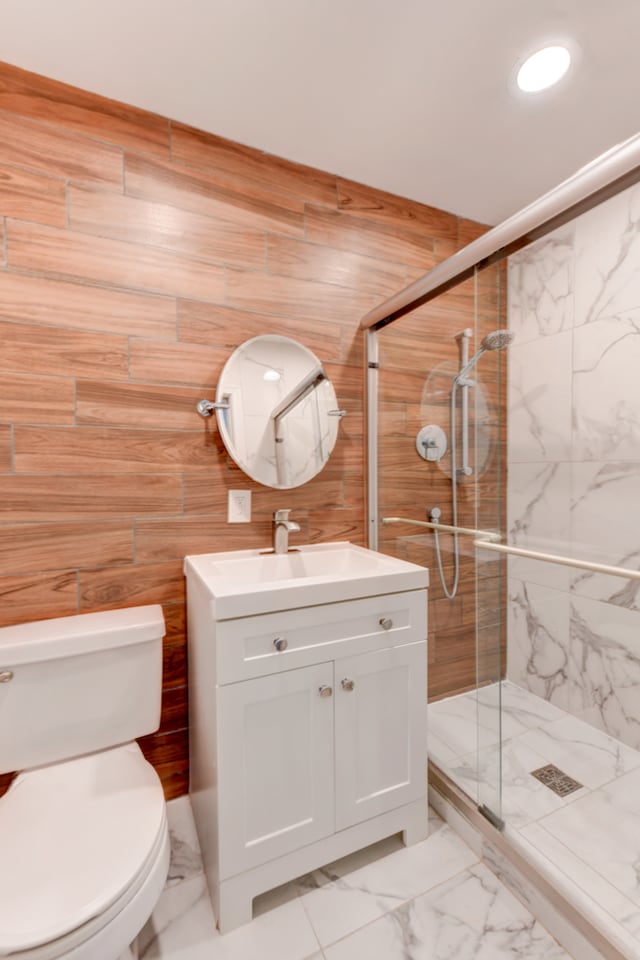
300,898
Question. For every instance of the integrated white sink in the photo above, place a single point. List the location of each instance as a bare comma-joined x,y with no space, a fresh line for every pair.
247,582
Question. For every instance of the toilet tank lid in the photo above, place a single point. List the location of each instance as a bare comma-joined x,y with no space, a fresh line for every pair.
84,633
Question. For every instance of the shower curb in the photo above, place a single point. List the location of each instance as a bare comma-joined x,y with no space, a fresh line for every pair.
564,919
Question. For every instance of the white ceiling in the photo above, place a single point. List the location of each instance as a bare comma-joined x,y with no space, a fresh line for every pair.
411,96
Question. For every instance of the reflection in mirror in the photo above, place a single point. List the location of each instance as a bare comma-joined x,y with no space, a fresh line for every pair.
277,411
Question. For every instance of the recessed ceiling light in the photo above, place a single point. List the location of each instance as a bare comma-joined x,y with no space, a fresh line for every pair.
543,68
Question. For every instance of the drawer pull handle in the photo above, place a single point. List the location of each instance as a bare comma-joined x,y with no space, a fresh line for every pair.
280,643
325,691
5,676
386,623
348,685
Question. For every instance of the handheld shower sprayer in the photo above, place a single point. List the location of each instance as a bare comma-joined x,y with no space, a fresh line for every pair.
496,340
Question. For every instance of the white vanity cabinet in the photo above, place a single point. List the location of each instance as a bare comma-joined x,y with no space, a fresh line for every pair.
307,736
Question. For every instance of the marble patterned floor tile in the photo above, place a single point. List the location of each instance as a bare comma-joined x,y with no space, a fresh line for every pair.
355,899
613,913
182,927
582,842
453,722
527,710
523,797
584,752
603,830
439,750
559,861
460,721
471,917
186,861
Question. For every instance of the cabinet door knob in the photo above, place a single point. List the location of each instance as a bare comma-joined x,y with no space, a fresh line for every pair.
5,676
280,643
348,685
325,690
386,623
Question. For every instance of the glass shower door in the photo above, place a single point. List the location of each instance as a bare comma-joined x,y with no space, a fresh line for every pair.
419,358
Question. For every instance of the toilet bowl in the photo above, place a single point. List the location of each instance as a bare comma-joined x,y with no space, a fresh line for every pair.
84,840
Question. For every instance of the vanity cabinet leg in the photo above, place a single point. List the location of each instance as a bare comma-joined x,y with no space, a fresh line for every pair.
417,828
234,906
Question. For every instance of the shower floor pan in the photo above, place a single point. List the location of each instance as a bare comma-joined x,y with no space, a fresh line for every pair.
586,840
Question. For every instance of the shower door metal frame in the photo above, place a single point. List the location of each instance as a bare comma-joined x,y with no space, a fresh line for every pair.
607,175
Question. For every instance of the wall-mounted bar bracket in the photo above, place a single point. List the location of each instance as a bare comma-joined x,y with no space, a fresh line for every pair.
206,407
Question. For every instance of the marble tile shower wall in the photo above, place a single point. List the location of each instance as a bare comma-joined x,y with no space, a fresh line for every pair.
574,465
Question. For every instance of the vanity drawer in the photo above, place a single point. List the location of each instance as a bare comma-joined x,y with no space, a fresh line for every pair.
273,642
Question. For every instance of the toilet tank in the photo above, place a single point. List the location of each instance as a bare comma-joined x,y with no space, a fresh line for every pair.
74,685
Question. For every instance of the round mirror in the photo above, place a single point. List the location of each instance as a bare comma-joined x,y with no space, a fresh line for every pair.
279,419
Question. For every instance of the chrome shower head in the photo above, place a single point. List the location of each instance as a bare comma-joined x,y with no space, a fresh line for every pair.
497,340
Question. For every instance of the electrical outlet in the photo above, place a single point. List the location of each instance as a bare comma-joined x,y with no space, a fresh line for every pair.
239,506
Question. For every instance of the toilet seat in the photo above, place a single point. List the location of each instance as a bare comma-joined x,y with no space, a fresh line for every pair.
84,841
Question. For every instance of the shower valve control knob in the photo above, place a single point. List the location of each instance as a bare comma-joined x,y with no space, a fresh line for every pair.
431,443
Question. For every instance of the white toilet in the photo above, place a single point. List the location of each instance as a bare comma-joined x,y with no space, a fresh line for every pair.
84,845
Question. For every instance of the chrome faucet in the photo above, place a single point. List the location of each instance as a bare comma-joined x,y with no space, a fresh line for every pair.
282,527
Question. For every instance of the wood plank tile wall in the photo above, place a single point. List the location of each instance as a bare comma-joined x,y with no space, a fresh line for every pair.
415,387
136,254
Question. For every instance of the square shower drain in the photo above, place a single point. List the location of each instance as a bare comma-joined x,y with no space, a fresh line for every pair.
558,781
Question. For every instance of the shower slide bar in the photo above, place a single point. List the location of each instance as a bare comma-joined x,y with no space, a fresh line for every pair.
486,540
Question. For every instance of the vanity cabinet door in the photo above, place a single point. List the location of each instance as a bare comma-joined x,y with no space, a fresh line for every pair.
276,776
381,728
